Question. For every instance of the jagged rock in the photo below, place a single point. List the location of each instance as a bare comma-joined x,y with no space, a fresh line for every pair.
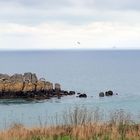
34,78
29,87
30,77
48,86
16,78
16,87
1,86
42,79
7,86
4,77
27,77
40,86
57,87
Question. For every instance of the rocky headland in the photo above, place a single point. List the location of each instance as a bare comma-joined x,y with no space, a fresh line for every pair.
28,86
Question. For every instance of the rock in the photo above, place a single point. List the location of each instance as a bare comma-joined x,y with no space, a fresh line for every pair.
40,86
27,77
109,93
16,78
4,77
57,87
29,87
82,96
1,86
101,94
42,79
34,78
30,77
71,92
7,86
48,86
66,92
78,93
16,87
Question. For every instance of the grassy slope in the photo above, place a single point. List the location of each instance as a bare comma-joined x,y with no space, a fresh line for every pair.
79,124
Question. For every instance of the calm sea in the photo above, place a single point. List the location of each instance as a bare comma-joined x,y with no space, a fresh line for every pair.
83,71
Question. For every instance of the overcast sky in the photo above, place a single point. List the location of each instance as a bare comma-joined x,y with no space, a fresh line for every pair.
60,24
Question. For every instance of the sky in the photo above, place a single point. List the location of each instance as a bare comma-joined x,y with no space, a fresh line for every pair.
69,24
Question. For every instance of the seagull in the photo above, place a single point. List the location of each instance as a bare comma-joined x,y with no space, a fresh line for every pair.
78,42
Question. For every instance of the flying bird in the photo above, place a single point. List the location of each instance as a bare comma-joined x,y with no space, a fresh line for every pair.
78,43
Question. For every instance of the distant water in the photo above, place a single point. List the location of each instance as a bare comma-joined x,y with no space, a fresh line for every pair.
83,71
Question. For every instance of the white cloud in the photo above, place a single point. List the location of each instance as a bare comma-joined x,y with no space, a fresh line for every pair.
95,35
47,24
68,11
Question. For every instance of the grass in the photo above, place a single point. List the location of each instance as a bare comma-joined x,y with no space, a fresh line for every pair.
79,123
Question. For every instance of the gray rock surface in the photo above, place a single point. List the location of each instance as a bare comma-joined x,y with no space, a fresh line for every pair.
16,78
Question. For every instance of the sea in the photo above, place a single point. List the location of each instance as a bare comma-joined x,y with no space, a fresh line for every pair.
84,71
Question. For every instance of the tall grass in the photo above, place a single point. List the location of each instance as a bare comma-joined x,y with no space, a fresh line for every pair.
79,123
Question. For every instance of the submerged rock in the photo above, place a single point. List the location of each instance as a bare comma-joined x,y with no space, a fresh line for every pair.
101,94
109,93
72,93
82,96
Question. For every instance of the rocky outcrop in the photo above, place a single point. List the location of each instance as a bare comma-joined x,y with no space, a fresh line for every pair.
40,86
29,77
28,86
16,78
4,77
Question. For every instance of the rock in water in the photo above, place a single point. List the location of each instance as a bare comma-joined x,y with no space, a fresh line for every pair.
82,96
28,86
57,87
101,94
109,93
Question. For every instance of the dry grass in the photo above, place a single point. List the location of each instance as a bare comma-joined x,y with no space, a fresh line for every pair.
79,124
79,132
